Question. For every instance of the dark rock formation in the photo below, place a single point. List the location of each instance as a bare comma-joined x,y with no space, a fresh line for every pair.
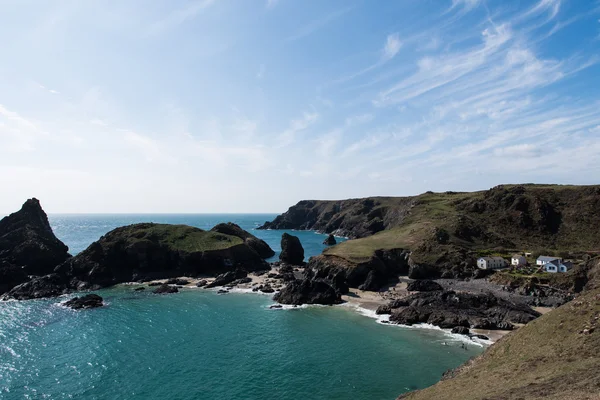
139,289
201,283
292,251
448,309
177,281
227,277
383,268
462,330
330,240
50,285
260,246
383,309
352,218
146,251
423,286
28,246
307,292
165,289
83,302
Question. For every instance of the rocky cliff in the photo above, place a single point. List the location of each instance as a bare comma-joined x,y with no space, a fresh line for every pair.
148,251
28,246
444,232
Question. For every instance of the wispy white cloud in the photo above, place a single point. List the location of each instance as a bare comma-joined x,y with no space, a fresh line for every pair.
296,126
392,46
272,3
318,24
179,16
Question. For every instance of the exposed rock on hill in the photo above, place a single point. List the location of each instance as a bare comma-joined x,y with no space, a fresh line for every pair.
28,246
423,286
445,231
258,245
141,252
353,218
292,251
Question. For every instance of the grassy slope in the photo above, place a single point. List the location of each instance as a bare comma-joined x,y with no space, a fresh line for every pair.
178,237
548,358
450,211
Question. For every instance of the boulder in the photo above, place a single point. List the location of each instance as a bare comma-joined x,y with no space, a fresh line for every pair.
423,286
139,289
84,302
227,277
292,251
165,289
330,240
462,330
307,292
178,281
201,283
28,246
383,309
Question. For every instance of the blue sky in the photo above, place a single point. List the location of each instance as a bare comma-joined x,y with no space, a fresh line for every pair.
252,105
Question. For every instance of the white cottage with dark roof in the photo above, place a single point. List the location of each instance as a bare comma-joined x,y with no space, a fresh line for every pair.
491,263
543,260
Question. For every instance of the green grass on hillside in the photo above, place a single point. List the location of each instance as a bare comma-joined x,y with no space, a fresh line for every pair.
549,358
487,222
178,237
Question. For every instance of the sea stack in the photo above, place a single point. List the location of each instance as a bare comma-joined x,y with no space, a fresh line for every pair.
28,246
292,251
330,241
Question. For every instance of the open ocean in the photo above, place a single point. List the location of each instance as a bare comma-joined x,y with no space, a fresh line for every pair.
200,345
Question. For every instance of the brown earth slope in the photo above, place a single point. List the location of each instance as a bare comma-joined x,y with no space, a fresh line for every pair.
557,356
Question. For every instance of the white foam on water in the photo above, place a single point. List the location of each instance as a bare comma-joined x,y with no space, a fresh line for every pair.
384,320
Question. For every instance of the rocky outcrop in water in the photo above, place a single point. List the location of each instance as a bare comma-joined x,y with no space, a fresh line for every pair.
165,289
307,292
143,252
28,246
292,251
448,309
84,302
330,240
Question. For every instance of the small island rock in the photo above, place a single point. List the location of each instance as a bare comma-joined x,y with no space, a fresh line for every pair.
292,251
83,302
330,241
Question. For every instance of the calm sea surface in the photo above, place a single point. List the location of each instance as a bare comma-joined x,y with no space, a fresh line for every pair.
200,345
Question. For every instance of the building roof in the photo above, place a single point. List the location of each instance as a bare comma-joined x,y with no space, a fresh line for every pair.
558,263
547,258
492,258
518,255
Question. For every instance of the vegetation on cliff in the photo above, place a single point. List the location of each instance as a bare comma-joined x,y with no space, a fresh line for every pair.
554,357
445,232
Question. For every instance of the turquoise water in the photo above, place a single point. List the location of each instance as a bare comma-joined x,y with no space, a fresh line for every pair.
78,231
200,345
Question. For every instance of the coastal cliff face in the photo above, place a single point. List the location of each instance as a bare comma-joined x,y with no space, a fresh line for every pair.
354,218
28,246
554,357
445,231
149,251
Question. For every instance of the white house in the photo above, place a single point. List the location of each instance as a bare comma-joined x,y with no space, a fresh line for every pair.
543,260
555,266
491,262
518,259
